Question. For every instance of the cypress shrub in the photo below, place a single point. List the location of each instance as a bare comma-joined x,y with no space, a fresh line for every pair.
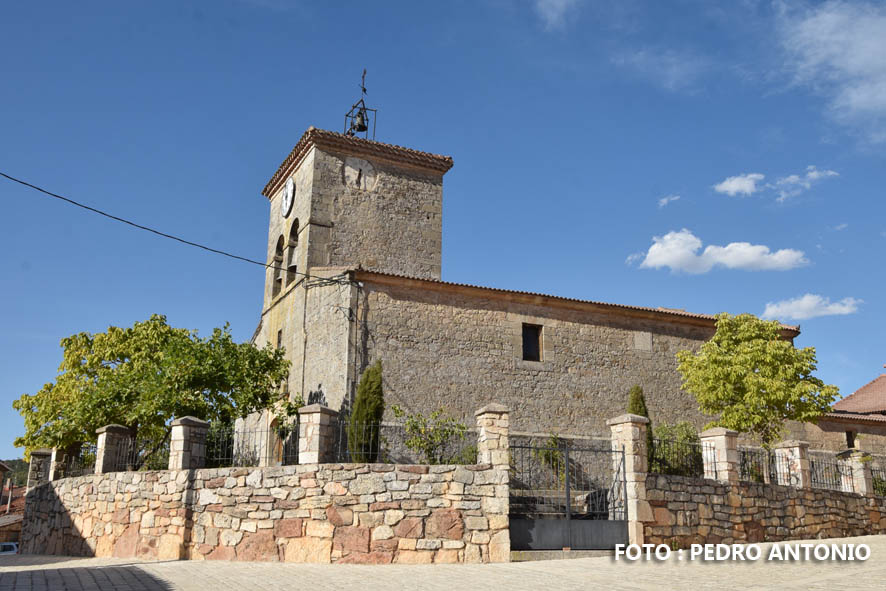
637,406
365,420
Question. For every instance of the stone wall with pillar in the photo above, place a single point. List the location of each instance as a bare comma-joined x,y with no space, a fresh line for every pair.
628,433
39,467
316,434
860,478
333,512
187,443
792,464
723,462
110,445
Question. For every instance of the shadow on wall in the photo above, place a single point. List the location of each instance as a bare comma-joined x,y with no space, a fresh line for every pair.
124,576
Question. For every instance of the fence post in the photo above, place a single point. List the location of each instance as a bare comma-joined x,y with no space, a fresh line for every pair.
792,465
628,432
55,464
110,439
187,443
493,423
860,464
724,462
316,434
38,469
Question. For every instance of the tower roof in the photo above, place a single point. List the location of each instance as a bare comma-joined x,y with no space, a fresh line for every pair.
357,146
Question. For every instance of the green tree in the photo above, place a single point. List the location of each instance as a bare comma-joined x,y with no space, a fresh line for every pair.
144,376
753,379
365,420
438,438
637,406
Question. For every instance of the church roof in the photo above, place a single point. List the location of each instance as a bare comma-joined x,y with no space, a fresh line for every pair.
673,314
354,145
870,398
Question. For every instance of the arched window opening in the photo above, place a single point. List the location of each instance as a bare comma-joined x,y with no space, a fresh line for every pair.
291,260
278,268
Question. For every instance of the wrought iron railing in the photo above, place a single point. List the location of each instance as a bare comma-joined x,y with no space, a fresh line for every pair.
682,458
760,465
830,474
229,445
555,477
392,443
80,462
136,454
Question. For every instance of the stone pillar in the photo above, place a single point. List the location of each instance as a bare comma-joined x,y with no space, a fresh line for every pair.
316,434
111,439
38,469
492,435
187,443
56,464
792,464
860,478
629,434
720,454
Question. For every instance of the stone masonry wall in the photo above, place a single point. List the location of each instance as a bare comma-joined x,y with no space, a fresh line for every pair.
695,511
344,513
460,350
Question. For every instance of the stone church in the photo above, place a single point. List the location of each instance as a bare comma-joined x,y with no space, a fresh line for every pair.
354,242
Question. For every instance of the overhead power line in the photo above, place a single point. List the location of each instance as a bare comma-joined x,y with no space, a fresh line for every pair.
152,230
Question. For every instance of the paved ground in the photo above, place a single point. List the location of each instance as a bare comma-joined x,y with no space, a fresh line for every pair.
53,573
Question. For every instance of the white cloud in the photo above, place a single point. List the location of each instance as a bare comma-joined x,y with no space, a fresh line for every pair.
679,251
672,70
837,48
553,12
810,306
744,184
667,199
795,184
841,227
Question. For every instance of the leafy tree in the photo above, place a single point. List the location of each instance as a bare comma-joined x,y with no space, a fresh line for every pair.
637,406
754,379
437,438
365,420
144,376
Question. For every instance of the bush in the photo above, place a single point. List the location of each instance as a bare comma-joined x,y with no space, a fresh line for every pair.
365,419
437,438
676,450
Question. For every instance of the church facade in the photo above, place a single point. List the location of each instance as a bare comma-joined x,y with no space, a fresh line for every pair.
354,248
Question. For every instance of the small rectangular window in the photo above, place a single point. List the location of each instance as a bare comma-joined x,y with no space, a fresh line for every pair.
279,338
850,439
531,342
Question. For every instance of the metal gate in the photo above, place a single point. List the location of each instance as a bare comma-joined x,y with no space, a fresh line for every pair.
565,495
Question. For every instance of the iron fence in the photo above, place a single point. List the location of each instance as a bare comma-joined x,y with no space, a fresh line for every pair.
230,445
878,481
556,477
133,455
393,443
682,458
831,474
78,462
766,466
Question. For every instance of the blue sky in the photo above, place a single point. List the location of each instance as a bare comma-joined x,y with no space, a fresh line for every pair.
699,155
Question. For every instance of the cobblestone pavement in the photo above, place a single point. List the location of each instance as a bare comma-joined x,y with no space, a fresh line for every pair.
54,573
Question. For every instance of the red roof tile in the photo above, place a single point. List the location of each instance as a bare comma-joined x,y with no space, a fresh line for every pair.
792,331
870,398
347,143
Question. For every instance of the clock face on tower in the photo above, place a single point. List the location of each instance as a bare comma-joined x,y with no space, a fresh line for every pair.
288,198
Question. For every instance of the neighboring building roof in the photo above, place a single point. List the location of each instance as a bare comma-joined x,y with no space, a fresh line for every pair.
10,519
355,145
4,468
671,314
870,398
856,417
